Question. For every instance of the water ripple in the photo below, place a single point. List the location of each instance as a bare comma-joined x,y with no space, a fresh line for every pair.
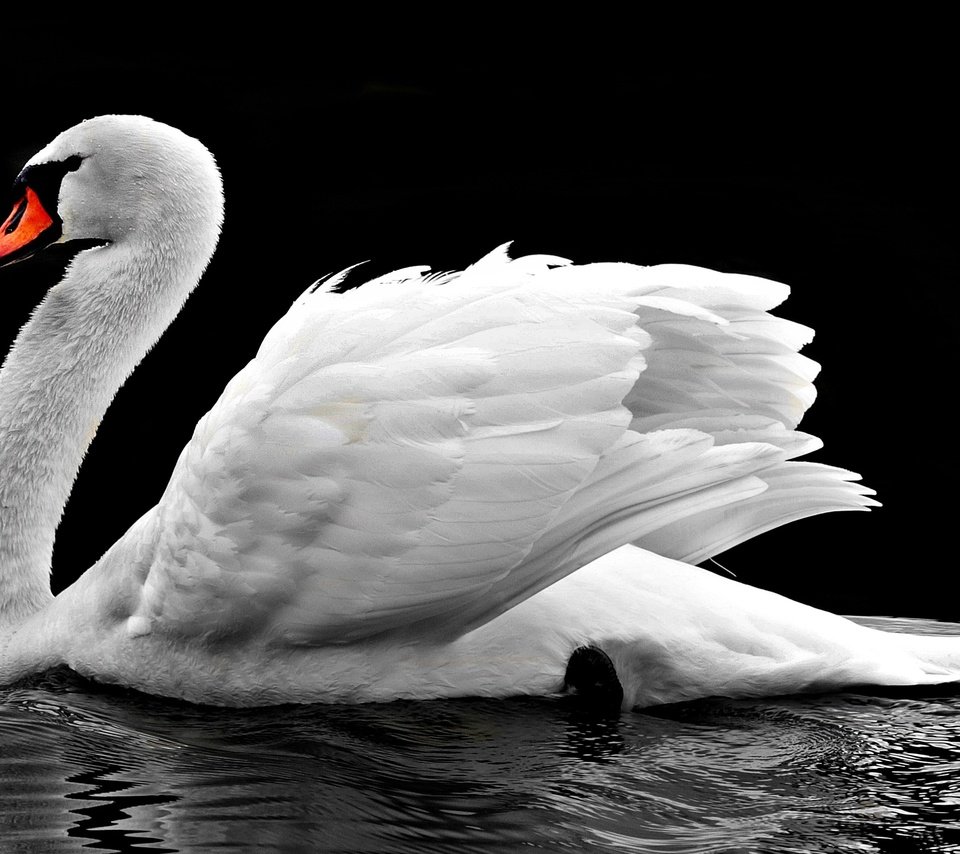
83,766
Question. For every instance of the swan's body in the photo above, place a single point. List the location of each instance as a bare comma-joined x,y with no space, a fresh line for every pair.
400,496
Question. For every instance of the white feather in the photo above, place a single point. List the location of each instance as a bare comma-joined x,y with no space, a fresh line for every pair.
399,496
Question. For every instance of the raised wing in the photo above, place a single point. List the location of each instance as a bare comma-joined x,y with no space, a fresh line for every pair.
431,450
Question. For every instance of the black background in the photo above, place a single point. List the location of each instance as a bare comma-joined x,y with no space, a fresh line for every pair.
826,163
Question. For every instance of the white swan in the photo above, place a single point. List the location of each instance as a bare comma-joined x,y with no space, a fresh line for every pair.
402,494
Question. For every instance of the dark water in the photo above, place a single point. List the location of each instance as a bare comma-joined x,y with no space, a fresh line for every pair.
86,768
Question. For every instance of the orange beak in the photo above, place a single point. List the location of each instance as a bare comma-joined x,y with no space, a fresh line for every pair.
20,231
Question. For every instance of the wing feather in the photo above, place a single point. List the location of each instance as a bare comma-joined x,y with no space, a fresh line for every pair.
346,479
431,450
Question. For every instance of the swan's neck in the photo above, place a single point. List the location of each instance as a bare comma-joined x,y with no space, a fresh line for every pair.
60,376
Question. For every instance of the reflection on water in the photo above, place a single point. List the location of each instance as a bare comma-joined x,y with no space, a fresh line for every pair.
83,767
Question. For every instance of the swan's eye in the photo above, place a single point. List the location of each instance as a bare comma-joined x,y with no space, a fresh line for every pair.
34,222
45,178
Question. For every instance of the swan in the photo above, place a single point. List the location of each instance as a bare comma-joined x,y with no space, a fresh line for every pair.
485,483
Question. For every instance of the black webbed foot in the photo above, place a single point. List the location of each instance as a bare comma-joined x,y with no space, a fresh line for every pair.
592,679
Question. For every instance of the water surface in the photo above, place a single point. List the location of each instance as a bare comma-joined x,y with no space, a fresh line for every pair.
86,768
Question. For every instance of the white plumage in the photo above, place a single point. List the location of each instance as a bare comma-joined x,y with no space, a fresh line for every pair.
400,495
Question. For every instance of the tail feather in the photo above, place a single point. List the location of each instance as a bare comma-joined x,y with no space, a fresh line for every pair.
937,657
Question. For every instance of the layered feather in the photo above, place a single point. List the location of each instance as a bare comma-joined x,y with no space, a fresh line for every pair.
430,451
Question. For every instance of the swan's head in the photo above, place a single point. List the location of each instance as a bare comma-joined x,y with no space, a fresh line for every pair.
112,179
